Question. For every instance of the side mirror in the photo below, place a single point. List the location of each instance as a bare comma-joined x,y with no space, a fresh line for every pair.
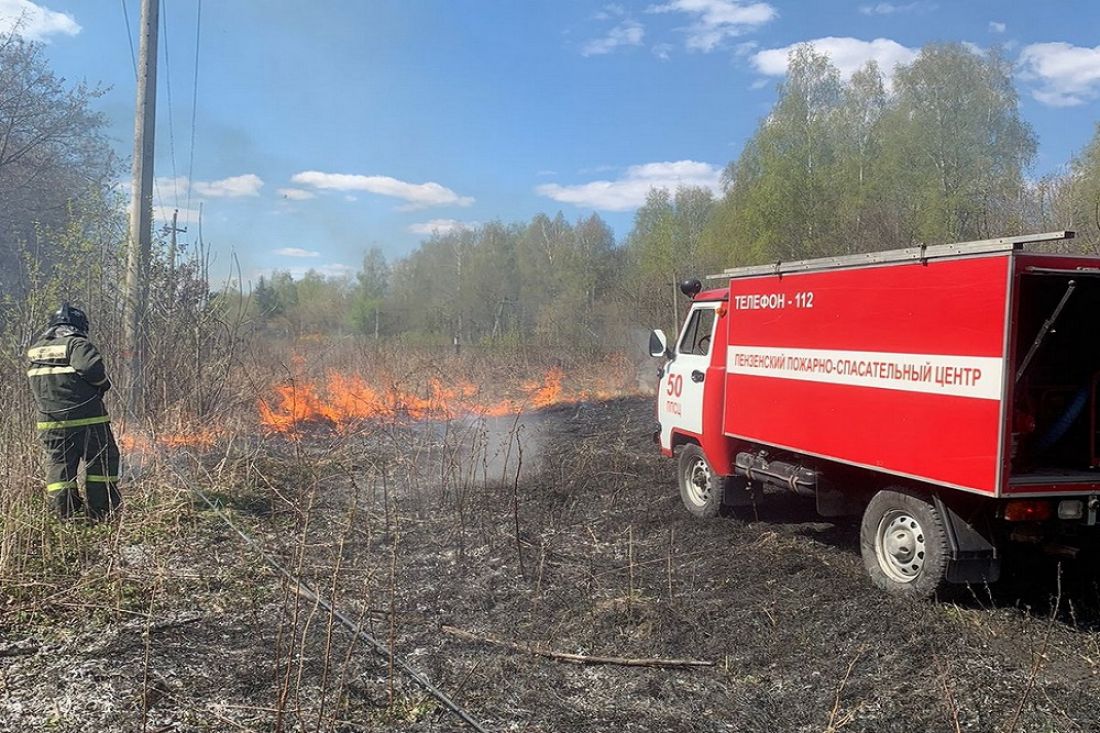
658,344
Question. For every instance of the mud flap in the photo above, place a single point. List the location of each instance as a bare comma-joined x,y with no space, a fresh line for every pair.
974,558
736,492
835,502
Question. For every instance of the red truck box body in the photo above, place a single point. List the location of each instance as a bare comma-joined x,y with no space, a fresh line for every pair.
906,368
869,381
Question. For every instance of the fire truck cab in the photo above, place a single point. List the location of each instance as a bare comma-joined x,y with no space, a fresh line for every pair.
948,394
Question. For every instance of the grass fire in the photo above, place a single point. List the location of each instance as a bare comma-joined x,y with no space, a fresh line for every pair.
544,366
343,400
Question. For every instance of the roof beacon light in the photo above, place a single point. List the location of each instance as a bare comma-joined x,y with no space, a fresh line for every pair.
691,287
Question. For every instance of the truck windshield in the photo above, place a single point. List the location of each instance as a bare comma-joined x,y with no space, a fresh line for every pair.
697,333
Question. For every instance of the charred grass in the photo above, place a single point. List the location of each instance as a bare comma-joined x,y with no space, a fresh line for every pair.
560,529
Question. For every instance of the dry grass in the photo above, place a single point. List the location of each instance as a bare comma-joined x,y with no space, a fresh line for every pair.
559,530
168,561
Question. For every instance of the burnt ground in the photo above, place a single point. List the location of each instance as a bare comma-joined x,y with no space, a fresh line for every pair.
577,543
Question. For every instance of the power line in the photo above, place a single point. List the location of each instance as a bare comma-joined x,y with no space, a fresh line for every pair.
194,108
129,37
168,84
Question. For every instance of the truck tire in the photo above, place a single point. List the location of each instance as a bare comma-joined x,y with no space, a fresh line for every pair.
700,488
904,544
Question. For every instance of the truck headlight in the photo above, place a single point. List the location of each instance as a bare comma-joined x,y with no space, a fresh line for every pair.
1071,509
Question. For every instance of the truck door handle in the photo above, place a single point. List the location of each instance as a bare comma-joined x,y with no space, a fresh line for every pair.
697,376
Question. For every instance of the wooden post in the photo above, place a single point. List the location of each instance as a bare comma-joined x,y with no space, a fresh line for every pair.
171,231
141,208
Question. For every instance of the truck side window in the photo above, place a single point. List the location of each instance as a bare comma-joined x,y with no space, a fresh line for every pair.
697,334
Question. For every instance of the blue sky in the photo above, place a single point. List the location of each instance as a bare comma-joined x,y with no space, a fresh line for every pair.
323,128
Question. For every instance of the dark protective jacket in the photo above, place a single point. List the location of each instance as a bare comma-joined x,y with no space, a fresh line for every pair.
68,379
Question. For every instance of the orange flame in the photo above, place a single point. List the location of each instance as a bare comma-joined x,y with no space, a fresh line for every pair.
344,400
349,399
141,442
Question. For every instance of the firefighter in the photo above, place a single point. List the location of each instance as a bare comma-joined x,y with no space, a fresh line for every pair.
68,380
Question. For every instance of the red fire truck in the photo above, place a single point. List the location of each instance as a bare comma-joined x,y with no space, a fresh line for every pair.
946,393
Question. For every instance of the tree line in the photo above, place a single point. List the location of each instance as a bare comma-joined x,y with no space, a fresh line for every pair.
936,152
548,282
939,153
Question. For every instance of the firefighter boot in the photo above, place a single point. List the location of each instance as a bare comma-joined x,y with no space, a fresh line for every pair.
108,501
67,502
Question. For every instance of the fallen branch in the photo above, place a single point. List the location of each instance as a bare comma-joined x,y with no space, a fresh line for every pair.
19,649
577,658
354,627
175,624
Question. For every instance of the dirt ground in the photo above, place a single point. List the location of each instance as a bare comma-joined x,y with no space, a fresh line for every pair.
562,530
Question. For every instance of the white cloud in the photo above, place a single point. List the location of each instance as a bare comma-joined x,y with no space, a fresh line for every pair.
296,194
629,191
894,8
663,51
996,27
248,184
163,215
713,21
744,49
35,22
166,185
416,195
333,269
336,270
441,226
295,252
627,33
161,212
847,54
610,11
1063,75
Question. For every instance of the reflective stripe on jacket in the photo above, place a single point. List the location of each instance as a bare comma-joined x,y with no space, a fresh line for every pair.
67,378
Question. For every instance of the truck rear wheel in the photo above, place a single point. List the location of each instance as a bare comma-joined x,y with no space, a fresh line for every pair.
700,488
904,543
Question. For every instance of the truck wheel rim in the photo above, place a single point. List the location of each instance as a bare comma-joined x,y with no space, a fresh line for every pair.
698,482
900,547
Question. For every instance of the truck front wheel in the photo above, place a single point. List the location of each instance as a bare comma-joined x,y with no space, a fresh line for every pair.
700,487
904,543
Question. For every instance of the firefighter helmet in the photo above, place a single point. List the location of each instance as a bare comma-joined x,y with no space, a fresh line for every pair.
68,315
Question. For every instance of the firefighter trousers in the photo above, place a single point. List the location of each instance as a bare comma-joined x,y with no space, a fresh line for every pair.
65,449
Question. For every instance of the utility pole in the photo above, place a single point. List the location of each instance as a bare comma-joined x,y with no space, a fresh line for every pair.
171,231
141,207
